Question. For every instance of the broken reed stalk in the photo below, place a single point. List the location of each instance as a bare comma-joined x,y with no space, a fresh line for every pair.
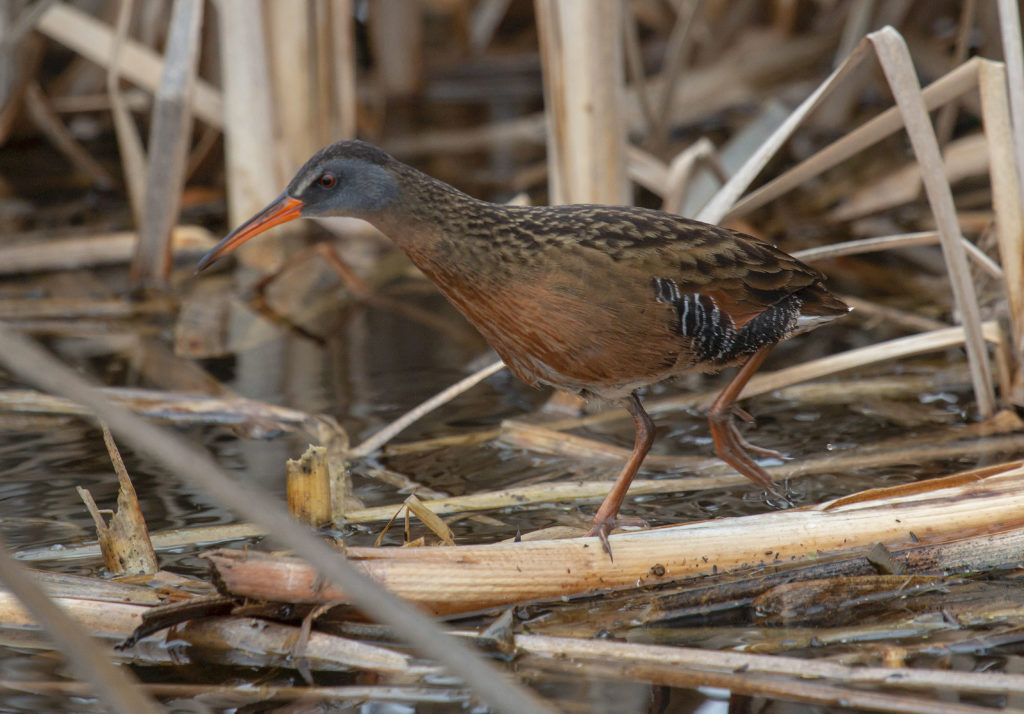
343,68
430,519
250,161
902,240
270,640
308,487
125,543
1013,52
292,75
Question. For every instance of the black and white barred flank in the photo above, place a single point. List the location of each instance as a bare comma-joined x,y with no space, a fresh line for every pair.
715,337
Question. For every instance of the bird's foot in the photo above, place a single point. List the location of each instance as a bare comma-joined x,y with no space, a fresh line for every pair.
603,527
777,499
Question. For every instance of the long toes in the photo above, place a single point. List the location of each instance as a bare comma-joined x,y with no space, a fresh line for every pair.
764,451
743,414
777,499
601,530
759,450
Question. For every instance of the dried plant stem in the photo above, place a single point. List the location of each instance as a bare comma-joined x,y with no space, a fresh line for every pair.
95,249
939,92
249,143
308,487
249,692
1009,27
129,144
344,67
899,71
170,136
581,57
387,433
127,549
1006,191
901,240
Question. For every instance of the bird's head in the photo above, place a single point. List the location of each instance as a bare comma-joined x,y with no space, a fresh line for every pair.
349,178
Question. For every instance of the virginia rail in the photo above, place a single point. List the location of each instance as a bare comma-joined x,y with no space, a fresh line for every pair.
596,300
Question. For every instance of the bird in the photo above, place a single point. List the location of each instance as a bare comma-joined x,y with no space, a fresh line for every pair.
600,301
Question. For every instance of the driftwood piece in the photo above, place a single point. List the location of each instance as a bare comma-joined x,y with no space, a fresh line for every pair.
467,578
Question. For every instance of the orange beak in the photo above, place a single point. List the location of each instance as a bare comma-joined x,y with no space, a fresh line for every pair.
283,209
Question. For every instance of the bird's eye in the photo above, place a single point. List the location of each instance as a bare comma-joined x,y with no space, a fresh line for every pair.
327,180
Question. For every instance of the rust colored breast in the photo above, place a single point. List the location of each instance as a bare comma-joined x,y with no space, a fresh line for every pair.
562,331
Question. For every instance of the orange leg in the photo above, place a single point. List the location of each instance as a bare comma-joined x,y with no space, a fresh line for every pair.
607,514
729,445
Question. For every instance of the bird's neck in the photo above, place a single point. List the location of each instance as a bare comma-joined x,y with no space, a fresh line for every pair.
445,232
